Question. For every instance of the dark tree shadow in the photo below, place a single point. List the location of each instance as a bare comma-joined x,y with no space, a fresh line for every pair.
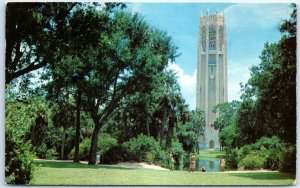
61,164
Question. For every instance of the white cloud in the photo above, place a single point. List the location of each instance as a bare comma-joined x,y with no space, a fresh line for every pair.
262,15
236,75
238,72
187,84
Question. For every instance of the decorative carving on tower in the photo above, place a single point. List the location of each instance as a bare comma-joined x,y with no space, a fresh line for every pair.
212,37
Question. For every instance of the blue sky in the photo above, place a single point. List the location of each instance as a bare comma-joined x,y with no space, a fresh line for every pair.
249,26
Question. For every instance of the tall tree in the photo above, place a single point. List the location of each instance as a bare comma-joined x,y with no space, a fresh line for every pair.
273,86
29,49
192,130
129,56
64,118
226,117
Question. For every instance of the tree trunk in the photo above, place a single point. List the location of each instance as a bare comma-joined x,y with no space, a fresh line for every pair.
93,149
148,129
170,132
62,152
162,132
77,136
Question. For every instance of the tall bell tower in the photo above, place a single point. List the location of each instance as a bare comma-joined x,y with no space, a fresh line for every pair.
211,73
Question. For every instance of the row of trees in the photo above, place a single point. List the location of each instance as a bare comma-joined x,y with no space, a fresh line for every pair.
268,104
90,74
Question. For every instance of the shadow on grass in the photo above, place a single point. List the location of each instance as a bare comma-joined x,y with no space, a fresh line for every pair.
265,175
60,164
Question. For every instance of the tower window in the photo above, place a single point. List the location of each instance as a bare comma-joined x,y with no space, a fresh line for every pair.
212,59
212,37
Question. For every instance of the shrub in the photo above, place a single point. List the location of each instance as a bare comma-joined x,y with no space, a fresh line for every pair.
114,155
251,161
105,142
150,157
162,159
245,150
19,161
268,143
137,148
288,160
270,149
232,157
176,148
84,149
43,152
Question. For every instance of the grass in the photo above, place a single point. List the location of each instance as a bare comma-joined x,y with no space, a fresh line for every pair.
68,173
207,154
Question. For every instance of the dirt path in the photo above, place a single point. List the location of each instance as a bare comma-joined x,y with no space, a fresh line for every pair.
137,165
154,167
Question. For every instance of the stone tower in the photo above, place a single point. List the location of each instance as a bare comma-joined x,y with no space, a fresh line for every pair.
211,73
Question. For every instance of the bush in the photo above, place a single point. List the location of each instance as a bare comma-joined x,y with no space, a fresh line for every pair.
288,160
114,155
19,161
265,147
252,161
84,150
150,157
105,142
232,157
45,153
162,159
268,143
177,149
137,148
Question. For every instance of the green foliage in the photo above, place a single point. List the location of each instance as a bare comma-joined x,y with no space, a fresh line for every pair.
19,160
105,142
137,148
288,160
252,161
43,152
21,115
189,132
29,49
162,159
226,118
226,113
150,157
269,97
269,149
26,127
245,123
84,149
268,108
233,157
114,155
228,136
176,149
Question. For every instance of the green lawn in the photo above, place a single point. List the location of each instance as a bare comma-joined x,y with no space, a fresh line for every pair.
205,154
68,173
